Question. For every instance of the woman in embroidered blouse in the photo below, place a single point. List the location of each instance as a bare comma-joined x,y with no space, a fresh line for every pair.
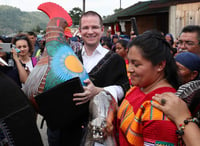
153,70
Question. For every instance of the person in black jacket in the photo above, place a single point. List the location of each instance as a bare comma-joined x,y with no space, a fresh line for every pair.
18,120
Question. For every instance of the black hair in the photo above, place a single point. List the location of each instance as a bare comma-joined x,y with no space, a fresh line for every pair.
123,42
105,38
172,38
192,28
107,43
156,49
23,36
32,33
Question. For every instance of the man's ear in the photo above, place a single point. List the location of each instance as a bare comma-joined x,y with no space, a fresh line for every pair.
102,28
79,29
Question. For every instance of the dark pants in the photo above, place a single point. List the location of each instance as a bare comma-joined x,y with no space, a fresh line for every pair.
54,137
65,137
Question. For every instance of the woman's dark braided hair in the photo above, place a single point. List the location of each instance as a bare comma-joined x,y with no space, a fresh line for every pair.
156,49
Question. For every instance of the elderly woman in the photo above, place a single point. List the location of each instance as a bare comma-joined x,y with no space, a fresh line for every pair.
153,70
188,65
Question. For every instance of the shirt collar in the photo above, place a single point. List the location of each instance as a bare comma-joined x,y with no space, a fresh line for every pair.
98,50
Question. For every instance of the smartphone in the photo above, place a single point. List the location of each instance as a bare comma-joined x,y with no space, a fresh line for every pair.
7,47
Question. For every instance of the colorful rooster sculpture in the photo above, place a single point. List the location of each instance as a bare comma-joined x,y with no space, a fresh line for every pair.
55,71
58,63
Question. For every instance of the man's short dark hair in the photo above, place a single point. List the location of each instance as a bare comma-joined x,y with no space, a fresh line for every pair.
192,28
32,33
91,13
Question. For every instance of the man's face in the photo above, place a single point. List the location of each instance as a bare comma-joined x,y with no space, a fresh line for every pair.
91,30
189,41
32,39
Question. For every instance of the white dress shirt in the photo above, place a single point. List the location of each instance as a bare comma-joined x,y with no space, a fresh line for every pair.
89,62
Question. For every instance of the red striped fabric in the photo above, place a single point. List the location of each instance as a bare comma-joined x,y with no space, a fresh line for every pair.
141,123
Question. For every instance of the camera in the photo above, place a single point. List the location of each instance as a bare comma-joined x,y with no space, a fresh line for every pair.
7,47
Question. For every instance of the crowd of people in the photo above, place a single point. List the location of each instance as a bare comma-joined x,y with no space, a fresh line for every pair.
141,73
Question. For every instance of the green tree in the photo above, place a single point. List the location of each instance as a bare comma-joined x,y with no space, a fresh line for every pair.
75,13
37,29
117,10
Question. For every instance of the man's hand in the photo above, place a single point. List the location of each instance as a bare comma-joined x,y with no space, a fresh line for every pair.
90,90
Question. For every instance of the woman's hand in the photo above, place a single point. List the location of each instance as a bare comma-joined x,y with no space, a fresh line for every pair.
90,90
23,74
14,54
174,107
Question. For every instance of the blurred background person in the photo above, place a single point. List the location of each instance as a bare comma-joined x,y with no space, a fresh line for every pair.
33,38
40,51
188,66
10,70
189,39
75,43
122,50
107,45
115,38
169,38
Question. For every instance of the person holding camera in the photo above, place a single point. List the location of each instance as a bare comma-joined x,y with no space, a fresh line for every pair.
18,65
23,59
9,69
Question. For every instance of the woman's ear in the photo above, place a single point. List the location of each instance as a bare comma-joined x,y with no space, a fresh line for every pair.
161,66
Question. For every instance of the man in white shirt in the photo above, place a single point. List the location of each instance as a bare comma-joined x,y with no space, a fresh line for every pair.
106,69
91,29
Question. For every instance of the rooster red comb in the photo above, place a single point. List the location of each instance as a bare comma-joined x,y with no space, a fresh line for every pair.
54,10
